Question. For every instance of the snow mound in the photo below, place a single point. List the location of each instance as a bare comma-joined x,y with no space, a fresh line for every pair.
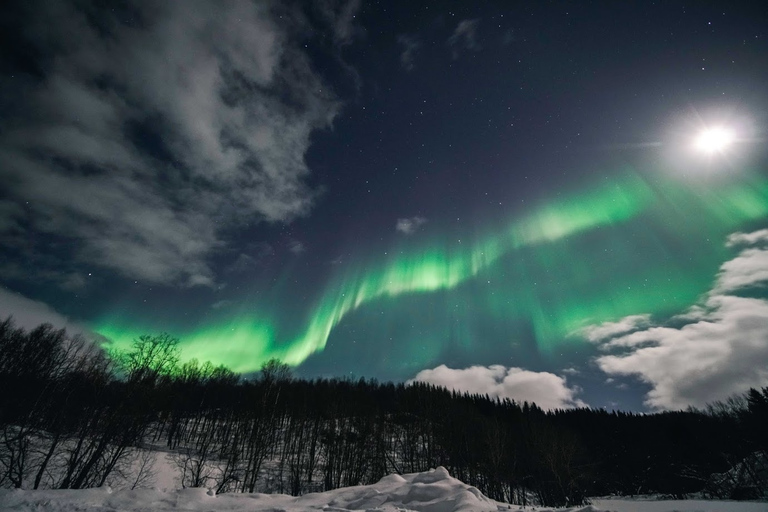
431,491
432,476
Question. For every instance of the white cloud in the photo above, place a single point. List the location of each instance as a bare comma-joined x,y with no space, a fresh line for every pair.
409,226
748,269
464,37
598,333
547,390
721,350
145,141
723,354
756,237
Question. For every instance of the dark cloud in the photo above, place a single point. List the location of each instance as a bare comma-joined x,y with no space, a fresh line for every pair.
149,132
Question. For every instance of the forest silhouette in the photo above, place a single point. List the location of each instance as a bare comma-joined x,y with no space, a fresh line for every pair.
75,416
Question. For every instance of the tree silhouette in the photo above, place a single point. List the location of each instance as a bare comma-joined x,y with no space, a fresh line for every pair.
149,358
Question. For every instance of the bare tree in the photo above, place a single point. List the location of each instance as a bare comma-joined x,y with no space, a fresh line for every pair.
144,473
149,358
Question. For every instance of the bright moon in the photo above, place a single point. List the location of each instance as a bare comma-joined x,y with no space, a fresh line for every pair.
714,140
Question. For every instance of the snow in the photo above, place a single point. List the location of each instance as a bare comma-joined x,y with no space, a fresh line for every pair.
432,491
623,505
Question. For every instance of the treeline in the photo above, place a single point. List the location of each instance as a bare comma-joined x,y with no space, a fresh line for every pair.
72,416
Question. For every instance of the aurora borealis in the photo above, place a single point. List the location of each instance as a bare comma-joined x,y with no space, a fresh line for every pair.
371,191
535,258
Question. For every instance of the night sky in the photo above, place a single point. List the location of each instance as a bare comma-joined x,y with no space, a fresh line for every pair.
509,198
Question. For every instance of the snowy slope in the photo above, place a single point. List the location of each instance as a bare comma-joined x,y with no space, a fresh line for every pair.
432,491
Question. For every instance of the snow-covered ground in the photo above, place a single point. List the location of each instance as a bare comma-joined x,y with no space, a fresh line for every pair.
432,491
624,505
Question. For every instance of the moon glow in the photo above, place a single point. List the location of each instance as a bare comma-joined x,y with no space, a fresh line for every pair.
714,140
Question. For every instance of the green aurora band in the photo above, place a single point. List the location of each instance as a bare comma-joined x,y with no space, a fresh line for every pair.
558,269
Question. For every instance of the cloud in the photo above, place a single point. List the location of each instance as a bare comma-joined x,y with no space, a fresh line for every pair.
720,350
296,247
340,15
598,333
222,304
409,226
411,45
28,313
10,213
756,237
724,353
508,37
749,269
547,390
464,37
243,263
151,132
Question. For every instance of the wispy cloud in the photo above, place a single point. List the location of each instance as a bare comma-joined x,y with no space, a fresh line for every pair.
547,390
340,16
464,37
508,37
222,304
410,47
721,349
409,225
606,330
150,132
296,247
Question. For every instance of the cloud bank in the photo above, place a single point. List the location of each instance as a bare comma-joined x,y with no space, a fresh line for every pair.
721,350
547,390
148,130
28,313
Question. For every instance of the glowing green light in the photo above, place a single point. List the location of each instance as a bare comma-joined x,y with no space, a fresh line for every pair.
242,347
441,269
625,247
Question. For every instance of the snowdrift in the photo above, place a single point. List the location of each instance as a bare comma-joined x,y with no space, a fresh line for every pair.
432,491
